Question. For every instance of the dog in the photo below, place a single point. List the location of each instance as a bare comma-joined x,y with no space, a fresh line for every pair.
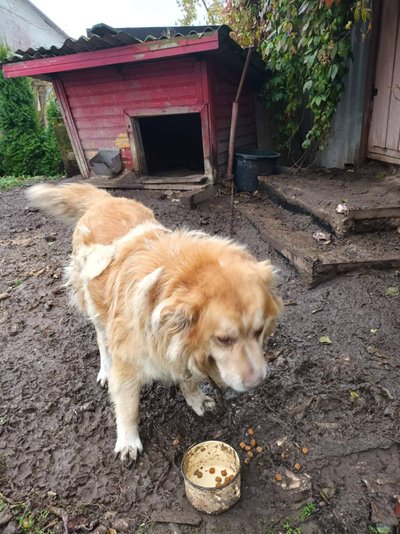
178,306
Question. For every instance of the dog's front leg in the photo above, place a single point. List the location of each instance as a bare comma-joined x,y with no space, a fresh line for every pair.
105,358
197,400
125,394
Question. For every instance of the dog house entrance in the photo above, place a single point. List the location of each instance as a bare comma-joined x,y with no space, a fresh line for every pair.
172,144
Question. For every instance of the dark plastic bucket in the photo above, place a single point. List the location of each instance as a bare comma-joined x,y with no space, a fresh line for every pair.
250,164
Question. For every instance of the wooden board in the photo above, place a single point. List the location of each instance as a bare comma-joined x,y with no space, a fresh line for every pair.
192,179
291,236
375,201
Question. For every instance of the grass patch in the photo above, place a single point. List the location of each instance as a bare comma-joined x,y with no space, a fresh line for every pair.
308,510
29,520
10,182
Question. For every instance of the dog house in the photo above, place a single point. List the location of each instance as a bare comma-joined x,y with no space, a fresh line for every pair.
162,97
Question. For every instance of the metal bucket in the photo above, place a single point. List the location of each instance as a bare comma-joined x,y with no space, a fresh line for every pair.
211,470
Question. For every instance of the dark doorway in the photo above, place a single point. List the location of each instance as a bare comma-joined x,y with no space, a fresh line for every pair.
173,144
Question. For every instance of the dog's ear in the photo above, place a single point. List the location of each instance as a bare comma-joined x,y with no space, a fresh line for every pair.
174,315
273,303
267,272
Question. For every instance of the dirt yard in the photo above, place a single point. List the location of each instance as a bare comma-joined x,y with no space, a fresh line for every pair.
339,402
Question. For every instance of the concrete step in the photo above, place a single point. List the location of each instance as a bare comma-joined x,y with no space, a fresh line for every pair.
291,234
372,202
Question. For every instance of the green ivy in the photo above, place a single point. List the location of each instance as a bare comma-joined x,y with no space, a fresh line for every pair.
306,45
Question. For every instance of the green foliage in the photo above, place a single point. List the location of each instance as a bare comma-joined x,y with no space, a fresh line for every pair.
208,11
26,148
306,45
10,182
307,510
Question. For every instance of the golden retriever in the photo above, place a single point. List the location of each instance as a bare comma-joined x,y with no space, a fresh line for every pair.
178,306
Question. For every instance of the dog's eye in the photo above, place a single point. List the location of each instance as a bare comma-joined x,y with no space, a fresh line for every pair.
258,332
226,340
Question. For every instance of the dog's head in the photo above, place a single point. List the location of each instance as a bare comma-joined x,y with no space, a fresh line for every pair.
222,312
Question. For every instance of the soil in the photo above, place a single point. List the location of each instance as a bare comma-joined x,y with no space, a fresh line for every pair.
341,400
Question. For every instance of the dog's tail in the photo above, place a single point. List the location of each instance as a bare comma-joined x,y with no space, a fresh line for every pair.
67,202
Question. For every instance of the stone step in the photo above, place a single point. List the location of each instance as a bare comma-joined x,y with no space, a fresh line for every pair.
372,203
291,234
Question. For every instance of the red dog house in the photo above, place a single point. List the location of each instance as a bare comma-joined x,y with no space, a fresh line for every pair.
163,97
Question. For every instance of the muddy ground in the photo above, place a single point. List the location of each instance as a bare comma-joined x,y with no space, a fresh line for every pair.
340,401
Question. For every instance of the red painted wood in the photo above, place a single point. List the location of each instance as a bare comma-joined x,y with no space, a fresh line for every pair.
100,98
226,84
112,56
99,103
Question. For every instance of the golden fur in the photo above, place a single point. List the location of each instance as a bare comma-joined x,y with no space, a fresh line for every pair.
178,306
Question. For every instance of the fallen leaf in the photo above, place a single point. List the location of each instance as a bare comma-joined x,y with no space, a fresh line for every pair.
374,331
392,292
345,200
325,340
387,392
354,395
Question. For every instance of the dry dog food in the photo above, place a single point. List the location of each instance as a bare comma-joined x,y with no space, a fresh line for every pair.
212,470
218,479
242,444
259,449
250,432
253,443
224,473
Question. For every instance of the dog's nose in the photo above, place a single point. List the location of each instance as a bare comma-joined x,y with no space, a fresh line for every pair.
254,379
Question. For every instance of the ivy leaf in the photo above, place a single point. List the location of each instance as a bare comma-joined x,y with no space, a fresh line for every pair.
335,69
325,340
307,86
303,7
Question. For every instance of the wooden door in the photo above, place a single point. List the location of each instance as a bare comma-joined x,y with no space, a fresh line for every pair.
384,133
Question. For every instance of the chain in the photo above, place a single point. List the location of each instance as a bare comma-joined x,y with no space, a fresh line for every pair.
232,218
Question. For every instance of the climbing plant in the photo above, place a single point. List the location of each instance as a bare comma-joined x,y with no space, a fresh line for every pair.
306,45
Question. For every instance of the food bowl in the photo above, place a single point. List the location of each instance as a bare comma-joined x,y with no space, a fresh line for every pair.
211,470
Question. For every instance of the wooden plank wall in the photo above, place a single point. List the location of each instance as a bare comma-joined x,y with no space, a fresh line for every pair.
225,90
101,98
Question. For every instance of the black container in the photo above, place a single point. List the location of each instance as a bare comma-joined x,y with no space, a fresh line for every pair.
250,164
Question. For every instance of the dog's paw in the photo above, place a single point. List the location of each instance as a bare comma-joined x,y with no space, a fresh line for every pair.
128,451
203,404
102,377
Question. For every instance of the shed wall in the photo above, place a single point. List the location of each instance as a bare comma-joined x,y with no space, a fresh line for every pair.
225,88
103,99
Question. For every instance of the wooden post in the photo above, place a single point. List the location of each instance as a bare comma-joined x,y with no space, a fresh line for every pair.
71,127
235,113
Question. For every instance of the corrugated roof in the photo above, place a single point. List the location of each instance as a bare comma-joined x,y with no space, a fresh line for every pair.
102,36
